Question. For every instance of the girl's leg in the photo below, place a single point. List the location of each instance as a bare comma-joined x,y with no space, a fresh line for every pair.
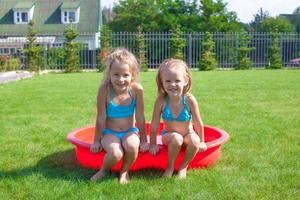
130,145
192,142
174,142
112,146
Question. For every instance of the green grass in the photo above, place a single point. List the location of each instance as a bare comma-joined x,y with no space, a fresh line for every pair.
260,109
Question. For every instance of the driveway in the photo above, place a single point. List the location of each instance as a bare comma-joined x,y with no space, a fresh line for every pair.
6,77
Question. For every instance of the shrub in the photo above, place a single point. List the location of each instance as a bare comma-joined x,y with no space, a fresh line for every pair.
243,60
177,43
32,51
275,56
208,59
141,47
72,60
105,46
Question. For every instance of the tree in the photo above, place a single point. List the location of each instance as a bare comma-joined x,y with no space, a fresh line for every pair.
215,17
259,17
130,14
277,24
296,20
32,50
164,15
141,47
105,45
208,59
244,62
72,60
177,43
274,53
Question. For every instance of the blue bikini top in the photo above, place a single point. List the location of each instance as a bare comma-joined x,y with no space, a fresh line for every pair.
184,115
114,110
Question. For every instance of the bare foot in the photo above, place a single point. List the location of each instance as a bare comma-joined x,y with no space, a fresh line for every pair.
168,172
182,173
100,174
124,178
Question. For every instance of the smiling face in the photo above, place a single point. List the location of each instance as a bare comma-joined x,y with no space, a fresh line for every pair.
173,81
120,76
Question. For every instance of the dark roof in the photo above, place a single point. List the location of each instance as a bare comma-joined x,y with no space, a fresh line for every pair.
47,16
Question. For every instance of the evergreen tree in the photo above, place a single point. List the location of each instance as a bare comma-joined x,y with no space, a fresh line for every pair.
32,50
72,60
274,53
177,43
141,47
208,59
244,62
105,46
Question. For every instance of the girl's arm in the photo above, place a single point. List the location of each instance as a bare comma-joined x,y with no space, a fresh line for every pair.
197,121
140,116
155,125
101,118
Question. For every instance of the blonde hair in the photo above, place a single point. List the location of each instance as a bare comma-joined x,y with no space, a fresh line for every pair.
124,56
170,63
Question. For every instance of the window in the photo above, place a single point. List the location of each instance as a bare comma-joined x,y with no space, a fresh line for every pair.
70,17
22,17
57,45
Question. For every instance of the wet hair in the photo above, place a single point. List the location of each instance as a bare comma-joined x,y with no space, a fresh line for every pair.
121,55
173,63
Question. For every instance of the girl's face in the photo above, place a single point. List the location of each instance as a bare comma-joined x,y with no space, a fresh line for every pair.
174,80
120,76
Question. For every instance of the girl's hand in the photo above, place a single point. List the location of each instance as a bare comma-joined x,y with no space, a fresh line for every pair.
96,147
144,146
154,149
202,147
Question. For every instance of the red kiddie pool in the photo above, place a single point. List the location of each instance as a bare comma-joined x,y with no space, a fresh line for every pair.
82,138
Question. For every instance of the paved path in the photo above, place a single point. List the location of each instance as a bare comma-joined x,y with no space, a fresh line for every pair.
6,77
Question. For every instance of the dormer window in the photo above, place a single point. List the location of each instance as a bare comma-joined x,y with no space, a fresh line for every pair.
23,12
70,12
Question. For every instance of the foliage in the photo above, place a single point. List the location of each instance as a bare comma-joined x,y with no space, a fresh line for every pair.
274,54
208,59
141,47
277,24
105,46
296,20
243,60
165,15
72,60
259,17
177,43
9,64
130,14
32,51
215,18
55,57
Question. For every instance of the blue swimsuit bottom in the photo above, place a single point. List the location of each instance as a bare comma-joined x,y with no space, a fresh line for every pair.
120,134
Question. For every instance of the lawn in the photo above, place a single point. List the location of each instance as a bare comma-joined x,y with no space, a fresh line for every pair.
260,109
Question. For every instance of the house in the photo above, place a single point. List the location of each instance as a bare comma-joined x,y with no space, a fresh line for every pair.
50,17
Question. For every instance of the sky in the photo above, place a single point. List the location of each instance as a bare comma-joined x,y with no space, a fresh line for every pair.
245,9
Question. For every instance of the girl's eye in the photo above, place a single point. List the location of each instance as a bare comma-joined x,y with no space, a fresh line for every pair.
177,81
167,81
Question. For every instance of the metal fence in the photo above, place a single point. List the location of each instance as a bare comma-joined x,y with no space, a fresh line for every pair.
158,48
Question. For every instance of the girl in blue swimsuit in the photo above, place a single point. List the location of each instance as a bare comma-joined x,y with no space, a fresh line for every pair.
177,108
119,105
